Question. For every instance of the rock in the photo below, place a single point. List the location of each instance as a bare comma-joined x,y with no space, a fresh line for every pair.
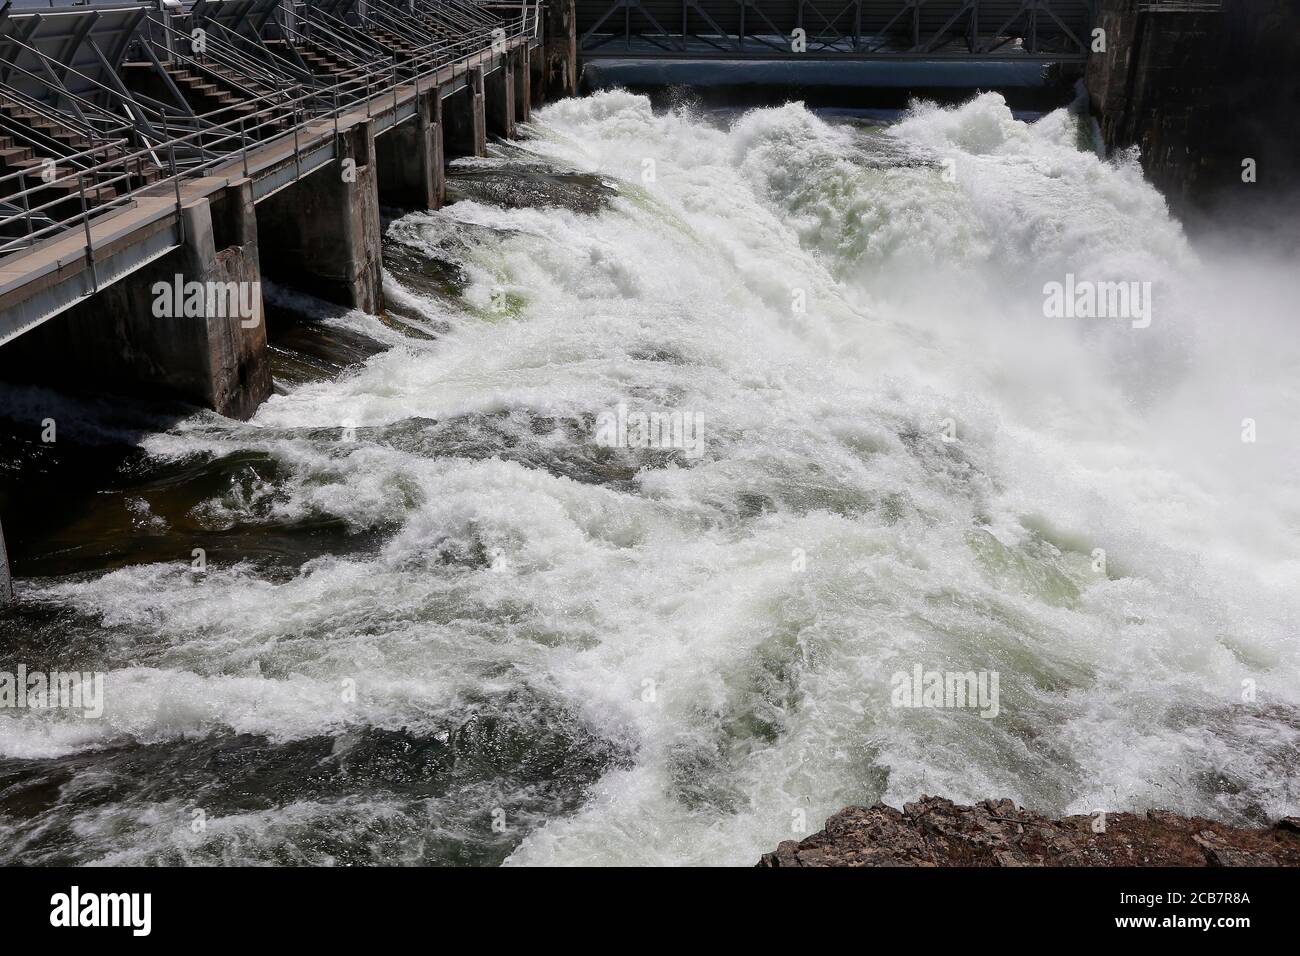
937,832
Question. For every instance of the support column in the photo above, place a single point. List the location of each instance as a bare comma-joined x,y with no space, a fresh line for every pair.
409,158
537,80
500,89
465,132
480,111
188,325
561,33
322,234
235,364
439,152
523,84
458,125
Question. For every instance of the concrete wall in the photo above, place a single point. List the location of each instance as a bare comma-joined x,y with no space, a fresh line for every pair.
1198,93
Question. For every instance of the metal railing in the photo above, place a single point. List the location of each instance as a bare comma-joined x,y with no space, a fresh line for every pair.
218,138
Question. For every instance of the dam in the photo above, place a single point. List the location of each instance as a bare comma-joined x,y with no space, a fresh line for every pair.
217,140
232,107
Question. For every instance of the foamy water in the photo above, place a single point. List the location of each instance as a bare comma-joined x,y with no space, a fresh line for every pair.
685,660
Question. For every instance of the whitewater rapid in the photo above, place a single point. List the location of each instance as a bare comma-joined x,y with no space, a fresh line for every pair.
683,660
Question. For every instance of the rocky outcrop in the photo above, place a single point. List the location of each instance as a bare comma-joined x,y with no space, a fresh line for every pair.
936,832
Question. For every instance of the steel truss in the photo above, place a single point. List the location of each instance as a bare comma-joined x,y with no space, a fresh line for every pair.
1053,30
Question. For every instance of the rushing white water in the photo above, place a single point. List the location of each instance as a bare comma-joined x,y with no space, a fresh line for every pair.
723,630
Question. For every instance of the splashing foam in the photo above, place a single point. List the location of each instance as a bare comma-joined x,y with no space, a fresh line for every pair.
666,611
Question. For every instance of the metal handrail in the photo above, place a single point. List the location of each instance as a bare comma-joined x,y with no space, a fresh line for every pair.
342,47
99,148
43,142
68,122
222,55
232,45
143,101
345,33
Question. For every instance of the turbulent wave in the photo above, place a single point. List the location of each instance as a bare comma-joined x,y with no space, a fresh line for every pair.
634,656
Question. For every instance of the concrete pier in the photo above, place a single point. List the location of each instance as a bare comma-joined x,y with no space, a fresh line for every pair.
523,85
322,233
188,325
537,77
478,88
438,164
410,158
465,120
499,87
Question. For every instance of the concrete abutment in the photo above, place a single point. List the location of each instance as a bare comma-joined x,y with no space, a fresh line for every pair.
537,76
